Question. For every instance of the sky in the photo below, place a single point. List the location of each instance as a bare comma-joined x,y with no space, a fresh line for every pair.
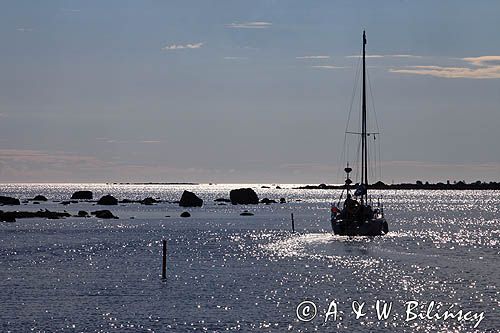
245,91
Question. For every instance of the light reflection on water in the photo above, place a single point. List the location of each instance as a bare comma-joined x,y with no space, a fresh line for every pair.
229,272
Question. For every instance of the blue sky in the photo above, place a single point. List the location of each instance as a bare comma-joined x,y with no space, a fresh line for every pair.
244,91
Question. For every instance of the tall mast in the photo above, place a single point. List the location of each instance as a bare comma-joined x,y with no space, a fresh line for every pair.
364,150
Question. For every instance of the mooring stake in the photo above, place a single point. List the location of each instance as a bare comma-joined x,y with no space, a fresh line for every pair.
293,224
164,262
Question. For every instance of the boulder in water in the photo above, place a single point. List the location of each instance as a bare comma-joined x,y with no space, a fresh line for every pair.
104,214
267,201
108,200
39,198
82,195
9,201
189,199
185,214
82,213
243,196
149,201
246,213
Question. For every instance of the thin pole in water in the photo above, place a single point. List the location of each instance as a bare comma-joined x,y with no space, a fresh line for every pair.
293,224
164,262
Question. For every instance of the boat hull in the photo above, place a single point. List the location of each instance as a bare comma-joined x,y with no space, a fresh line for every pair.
370,227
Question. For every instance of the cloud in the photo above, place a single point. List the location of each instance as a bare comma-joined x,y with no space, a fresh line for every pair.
182,47
52,159
249,25
21,29
314,57
483,60
386,56
329,67
235,58
69,10
114,141
484,67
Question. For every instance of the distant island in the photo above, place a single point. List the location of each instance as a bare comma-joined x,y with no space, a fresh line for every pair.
418,185
155,183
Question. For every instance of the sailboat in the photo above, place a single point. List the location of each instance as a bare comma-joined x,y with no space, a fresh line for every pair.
357,216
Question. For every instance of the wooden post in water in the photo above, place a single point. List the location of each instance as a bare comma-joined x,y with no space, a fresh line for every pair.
164,262
293,224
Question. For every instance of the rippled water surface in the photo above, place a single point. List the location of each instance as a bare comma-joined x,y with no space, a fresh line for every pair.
246,273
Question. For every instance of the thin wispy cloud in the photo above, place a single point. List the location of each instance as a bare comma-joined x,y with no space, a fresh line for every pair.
235,58
249,25
69,10
314,57
328,67
484,67
21,29
174,47
483,60
386,56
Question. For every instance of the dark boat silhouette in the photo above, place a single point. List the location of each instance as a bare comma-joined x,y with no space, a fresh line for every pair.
357,216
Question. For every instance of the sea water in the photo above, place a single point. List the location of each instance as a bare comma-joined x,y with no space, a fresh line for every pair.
436,270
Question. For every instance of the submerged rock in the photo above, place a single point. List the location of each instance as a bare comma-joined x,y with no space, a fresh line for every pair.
246,213
222,200
282,200
82,213
12,216
108,200
39,198
82,195
104,214
267,201
189,199
9,201
243,196
149,201
185,214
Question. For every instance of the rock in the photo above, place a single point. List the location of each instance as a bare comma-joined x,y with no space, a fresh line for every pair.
185,214
82,195
221,204
282,200
12,216
39,198
9,218
36,203
104,214
267,201
278,187
82,213
322,186
9,201
264,186
246,213
149,201
127,201
243,196
222,200
189,199
65,202
108,200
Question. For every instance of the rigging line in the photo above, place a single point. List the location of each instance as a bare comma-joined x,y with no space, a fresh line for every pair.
377,147
358,165
343,155
373,100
